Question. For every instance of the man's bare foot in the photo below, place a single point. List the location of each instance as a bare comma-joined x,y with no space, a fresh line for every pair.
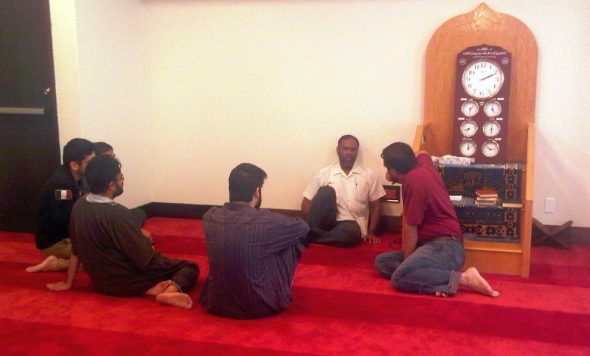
159,288
441,294
472,279
176,299
50,264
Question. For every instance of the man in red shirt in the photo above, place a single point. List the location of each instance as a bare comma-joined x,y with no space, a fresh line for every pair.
432,248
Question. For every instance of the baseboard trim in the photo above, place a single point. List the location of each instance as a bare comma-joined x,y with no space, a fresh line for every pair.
196,211
389,223
580,236
175,210
192,211
574,236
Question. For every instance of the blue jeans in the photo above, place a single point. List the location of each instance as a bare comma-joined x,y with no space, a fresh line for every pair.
433,267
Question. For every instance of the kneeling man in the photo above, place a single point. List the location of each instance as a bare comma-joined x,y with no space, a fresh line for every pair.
118,258
432,248
252,252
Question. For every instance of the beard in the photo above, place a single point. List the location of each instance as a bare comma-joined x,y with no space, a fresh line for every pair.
347,163
259,202
118,191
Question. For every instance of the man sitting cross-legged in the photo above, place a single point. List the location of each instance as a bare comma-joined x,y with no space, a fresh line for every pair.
118,258
252,252
139,215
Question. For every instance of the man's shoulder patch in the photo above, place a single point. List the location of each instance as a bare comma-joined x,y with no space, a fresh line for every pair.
63,194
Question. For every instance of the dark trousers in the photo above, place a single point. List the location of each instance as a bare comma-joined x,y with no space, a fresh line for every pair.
183,273
324,229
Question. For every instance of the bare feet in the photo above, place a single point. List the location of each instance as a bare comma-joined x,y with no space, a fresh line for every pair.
159,288
176,299
48,264
472,279
58,286
168,293
441,294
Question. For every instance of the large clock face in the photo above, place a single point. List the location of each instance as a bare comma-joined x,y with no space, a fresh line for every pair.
482,79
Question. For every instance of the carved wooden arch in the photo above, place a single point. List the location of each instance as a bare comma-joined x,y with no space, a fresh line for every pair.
481,26
485,26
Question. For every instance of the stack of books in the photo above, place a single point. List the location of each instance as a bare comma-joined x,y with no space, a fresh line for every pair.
486,197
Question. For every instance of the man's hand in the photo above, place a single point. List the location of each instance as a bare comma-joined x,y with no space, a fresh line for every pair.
370,238
58,286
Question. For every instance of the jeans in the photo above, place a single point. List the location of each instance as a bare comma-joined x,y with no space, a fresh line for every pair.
433,267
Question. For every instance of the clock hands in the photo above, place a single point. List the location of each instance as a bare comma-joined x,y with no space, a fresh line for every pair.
489,76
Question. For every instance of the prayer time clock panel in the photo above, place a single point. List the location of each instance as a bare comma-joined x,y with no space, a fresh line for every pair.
456,113
481,104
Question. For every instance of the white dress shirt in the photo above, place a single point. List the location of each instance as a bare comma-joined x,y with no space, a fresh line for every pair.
354,191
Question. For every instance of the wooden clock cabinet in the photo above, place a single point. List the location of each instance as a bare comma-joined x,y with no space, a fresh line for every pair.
435,133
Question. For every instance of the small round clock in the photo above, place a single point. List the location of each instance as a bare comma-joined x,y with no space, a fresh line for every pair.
482,79
492,108
491,128
468,128
467,148
490,149
469,108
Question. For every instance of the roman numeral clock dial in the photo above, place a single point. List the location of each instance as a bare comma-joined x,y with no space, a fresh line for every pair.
481,104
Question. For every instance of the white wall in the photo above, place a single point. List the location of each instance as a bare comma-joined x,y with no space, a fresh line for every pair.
65,47
185,90
103,56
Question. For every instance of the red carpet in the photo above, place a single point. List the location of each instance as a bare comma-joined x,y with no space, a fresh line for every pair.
341,306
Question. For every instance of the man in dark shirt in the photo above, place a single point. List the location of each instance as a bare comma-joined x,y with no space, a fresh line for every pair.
118,258
103,148
57,197
139,215
432,247
252,252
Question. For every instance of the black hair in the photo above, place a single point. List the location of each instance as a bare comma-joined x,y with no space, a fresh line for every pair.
347,137
76,150
102,147
101,171
244,179
399,156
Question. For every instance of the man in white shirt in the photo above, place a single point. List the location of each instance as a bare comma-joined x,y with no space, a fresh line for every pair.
342,204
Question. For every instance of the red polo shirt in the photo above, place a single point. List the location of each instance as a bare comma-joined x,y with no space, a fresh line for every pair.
426,202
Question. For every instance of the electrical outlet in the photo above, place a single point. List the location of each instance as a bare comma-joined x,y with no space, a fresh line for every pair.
549,205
